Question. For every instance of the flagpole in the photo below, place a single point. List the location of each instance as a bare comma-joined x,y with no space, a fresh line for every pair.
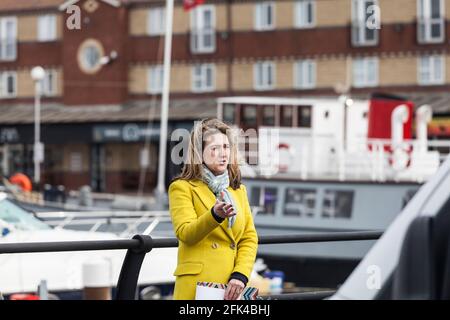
160,188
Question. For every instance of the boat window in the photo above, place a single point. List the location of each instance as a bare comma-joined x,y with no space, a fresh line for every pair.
337,204
264,199
304,116
19,218
249,116
268,116
300,202
286,116
229,112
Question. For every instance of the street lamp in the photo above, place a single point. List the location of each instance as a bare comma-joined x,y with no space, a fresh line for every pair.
37,74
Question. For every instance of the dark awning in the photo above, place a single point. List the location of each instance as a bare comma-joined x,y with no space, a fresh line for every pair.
139,111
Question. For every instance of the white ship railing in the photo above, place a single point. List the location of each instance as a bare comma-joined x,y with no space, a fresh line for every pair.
92,221
324,158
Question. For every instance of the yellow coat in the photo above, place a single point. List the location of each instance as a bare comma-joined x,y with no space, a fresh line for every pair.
208,250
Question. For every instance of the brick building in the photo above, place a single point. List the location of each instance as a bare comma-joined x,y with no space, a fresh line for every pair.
103,80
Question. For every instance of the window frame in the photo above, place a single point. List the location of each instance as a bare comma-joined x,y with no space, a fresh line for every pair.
160,13
198,34
427,21
4,83
3,49
203,78
297,14
305,193
432,73
152,72
357,16
302,66
45,82
50,21
366,72
264,86
259,13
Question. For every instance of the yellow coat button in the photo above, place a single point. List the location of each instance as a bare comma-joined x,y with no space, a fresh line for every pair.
214,245
233,246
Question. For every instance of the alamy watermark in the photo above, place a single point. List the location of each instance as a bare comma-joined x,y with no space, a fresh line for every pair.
374,17
247,144
73,22
373,21
373,281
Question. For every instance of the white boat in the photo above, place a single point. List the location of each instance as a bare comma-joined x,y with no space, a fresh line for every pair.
329,164
63,270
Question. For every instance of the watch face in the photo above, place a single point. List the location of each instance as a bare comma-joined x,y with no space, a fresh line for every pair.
89,55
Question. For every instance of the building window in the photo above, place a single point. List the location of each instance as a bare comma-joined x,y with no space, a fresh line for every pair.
46,28
431,70
203,32
8,38
365,72
203,78
305,74
265,16
89,55
156,21
430,21
155,79
8,84
305,13
337,204
49,83
365,22
300,202
264,75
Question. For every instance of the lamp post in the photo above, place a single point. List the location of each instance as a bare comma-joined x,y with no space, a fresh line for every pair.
37,74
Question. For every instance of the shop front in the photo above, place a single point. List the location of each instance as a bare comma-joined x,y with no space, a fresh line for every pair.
109,157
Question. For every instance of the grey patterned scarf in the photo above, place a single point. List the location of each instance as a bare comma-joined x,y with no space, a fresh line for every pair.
217,184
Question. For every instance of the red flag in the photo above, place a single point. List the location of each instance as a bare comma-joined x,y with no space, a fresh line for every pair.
189,4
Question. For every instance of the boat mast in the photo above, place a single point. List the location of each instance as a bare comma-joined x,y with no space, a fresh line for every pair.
160,188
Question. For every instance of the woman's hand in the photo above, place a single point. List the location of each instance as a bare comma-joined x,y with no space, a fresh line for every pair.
234,289
223,209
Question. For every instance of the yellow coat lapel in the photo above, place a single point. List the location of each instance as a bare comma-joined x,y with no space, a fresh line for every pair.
208,199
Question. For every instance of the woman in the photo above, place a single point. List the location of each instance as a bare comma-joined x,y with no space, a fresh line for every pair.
211,215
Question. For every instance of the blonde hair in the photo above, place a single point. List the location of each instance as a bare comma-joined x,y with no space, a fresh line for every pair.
192,168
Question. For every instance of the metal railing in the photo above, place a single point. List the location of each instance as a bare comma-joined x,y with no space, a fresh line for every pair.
140,245
412,160
98,219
